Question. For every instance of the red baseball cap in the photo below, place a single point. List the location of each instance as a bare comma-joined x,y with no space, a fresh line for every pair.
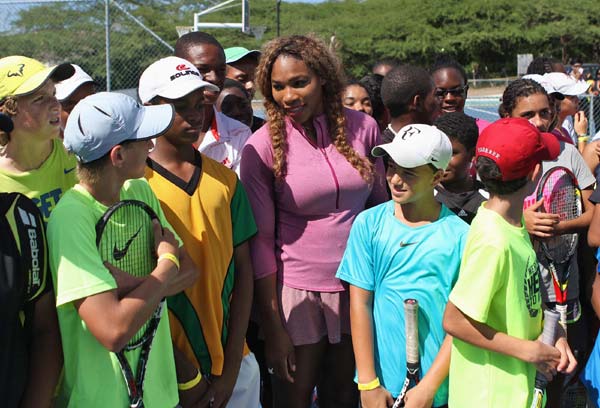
516,146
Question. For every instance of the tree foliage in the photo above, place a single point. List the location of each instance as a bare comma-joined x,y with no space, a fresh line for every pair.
486,33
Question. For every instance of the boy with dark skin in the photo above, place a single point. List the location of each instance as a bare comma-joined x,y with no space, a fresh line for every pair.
459,190
221,138
408,94
177,173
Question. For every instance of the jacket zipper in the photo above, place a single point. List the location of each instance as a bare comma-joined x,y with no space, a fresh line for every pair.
335,178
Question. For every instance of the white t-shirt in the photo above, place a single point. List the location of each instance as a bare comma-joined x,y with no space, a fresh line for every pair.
224,142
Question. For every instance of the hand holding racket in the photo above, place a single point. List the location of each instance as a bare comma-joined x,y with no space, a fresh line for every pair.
411,316
551,318
125,237
558,187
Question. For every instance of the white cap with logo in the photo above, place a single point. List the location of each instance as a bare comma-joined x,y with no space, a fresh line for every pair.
171,78
417,145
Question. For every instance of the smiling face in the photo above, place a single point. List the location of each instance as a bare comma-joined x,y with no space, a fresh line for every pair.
450,89
296,89
38,114
357,98
410,185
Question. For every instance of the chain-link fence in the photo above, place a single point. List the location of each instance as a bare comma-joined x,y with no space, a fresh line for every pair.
591,106
101,36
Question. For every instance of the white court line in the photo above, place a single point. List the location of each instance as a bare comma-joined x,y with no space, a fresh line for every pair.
487,112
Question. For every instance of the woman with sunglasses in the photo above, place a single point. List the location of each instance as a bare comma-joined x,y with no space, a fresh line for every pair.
308,173
451,87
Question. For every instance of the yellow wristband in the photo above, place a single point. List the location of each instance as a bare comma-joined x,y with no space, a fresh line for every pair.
170,257
370,385
191,383
583,138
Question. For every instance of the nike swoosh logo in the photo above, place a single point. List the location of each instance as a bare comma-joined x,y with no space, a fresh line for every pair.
119,254
67,171
405,244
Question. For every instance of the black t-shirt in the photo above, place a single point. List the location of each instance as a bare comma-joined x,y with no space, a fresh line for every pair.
257,123
23,266
466,204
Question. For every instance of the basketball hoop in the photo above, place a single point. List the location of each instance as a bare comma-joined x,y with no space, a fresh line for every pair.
183,30
258,32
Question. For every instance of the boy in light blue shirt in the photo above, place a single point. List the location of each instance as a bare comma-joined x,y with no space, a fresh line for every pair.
409,247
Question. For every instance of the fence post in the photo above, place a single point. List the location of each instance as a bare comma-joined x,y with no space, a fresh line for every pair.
592,120
107,41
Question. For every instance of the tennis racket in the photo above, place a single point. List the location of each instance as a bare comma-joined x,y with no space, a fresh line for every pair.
561,196
411,326
125,239
551,318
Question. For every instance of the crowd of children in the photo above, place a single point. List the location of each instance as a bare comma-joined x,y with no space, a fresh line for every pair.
284,255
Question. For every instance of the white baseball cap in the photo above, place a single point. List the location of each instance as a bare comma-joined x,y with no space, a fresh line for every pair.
417,145
546,84
566,85
65,88
172,78
101,121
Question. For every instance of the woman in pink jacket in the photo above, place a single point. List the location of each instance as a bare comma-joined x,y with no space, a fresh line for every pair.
308,173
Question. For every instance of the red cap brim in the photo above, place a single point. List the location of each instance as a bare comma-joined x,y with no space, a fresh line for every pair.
552,147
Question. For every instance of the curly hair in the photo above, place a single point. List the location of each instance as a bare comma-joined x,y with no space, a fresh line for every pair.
317,57
518,88
372,83
9,108
461,127
444,61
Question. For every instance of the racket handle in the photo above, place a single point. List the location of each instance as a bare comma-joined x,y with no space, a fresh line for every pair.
411,316
551,318
562,310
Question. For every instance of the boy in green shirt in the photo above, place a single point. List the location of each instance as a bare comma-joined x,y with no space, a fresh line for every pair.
494,312
99,307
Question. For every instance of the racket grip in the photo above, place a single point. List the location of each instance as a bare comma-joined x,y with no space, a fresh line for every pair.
551,318
562,311
411,316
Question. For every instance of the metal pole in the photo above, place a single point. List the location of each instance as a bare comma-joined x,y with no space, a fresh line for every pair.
107,41
591,117
278,16
143,26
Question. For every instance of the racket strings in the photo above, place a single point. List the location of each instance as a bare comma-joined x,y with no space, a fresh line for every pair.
127,242
561,197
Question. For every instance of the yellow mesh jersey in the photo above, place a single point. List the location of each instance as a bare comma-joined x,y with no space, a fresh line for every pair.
212,215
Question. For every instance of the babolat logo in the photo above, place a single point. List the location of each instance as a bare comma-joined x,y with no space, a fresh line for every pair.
29,220
19,72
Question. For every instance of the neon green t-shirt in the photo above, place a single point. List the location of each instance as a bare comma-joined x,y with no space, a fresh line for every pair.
46,184
499,285
92,375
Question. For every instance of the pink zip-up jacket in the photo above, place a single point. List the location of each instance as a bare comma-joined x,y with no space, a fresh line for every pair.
304,221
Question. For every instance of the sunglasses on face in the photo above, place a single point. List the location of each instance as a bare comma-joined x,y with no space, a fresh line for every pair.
457,92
